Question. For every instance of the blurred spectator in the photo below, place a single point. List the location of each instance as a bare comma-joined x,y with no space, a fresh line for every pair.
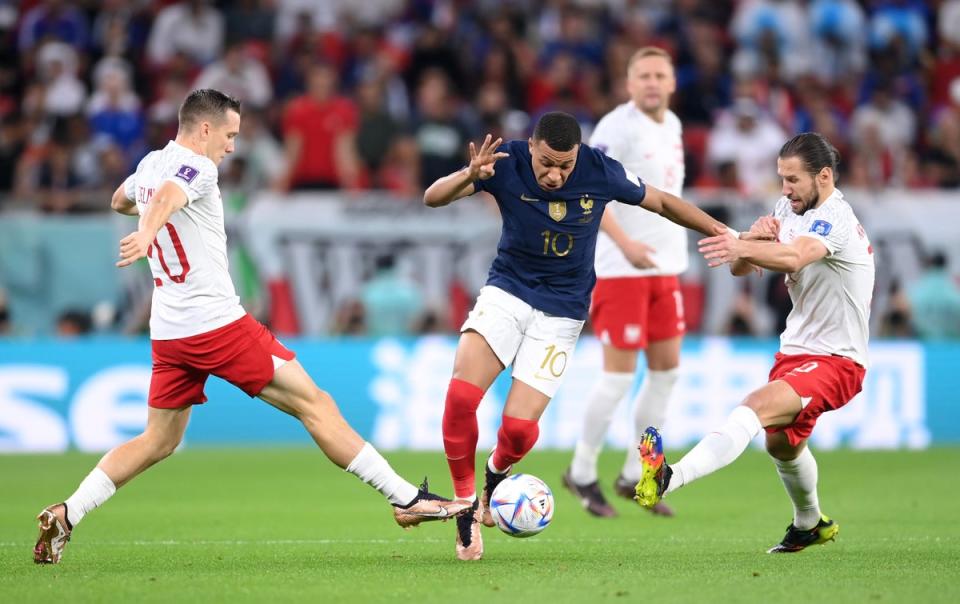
61,91
440,133
319,128
261,152
944,133
839,49
119,30
576,36
250,20
881,132
378,131
751,141
72,323
935,301
432,52
171,92
392,302
771,33
240,75
53,19
900,24
114,109
192,27
948,21
293,15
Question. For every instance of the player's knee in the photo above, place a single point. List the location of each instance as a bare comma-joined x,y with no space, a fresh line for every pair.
778,447
517,434
317,409
163,445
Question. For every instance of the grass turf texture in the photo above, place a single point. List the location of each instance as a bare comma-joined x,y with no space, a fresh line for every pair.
269,525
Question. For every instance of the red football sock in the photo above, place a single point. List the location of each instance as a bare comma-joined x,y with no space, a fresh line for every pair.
460,434
514,439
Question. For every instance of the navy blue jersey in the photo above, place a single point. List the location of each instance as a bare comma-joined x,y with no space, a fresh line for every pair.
548,241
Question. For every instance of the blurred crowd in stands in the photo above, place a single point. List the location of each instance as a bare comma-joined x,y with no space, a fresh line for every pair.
385,94
361,95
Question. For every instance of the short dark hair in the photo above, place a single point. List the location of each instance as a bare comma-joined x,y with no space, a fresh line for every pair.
814,151
559,130
206,103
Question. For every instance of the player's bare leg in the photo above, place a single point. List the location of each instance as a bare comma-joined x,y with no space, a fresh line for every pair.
164,431
798,472
650,409
294,392
774,404
475,368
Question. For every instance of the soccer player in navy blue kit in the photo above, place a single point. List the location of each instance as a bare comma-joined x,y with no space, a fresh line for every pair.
551,191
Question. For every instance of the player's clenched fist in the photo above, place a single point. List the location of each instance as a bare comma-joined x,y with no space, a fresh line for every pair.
481,162
133,247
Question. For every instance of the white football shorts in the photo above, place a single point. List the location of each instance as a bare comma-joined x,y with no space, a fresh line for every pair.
538,345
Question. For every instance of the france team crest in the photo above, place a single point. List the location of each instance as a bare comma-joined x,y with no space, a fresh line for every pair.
821,227
558,209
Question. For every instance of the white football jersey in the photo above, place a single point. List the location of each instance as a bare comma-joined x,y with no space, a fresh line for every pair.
193,292
831,297
654,152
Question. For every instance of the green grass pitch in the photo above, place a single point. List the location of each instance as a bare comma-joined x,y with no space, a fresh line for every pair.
258,525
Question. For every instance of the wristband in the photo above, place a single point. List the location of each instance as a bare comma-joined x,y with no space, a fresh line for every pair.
736,234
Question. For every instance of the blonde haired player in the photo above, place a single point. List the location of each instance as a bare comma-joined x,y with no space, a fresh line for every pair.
198,328
829,266
636,303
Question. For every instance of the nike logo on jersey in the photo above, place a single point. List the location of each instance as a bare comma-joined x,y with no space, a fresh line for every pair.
523,197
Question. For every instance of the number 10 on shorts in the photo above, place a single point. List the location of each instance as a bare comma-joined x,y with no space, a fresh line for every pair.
555,361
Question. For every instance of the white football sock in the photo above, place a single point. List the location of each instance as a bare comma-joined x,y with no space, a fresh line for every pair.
92,492
799,478
370,467
650,409
717,449
602,402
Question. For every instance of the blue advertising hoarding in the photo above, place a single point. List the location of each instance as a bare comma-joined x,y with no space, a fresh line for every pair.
90,395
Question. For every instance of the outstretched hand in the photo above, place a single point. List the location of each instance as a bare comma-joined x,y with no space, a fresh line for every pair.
133,247
720,249
481,162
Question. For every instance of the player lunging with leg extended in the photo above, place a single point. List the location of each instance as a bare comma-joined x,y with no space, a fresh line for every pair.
829,268
198,328
551,191
637,303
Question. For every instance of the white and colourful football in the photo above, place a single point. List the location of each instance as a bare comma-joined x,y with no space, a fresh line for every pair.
522,505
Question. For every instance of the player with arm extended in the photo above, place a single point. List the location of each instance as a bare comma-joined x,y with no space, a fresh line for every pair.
551,191
829,268
198,328
637,304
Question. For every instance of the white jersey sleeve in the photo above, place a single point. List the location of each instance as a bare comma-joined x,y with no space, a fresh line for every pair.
654,152
196,177
130,187
830,225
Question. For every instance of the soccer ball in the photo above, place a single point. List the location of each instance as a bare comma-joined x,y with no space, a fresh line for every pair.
521,505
